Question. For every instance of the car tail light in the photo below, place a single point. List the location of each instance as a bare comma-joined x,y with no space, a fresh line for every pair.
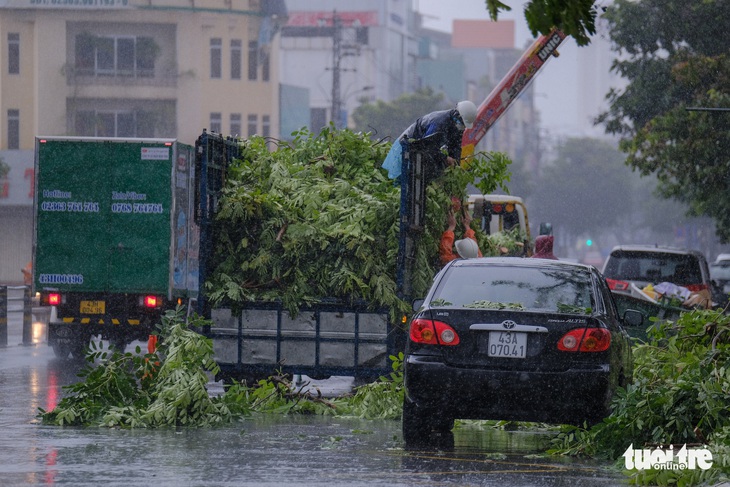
432,332
152,301
696,288
585,340
616,285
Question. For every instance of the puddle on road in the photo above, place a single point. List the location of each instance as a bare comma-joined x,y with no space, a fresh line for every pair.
486,438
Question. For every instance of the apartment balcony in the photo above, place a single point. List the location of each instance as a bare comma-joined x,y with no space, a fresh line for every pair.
122,77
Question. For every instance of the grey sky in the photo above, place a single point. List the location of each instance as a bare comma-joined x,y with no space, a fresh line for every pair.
439,14
569,89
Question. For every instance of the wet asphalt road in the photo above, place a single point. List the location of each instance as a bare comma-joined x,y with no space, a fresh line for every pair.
267,450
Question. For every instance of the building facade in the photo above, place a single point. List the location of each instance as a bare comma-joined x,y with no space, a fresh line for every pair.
127,68
344,51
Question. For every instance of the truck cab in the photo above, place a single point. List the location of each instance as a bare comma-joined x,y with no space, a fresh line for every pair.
501,213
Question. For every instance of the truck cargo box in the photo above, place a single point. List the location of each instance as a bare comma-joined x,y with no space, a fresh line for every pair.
114,241
113,215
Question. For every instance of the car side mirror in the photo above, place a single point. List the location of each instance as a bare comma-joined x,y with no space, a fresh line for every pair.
417,303
633,317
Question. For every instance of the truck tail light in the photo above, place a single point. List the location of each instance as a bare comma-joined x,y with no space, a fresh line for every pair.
616,285
432,332
53,299
152,301
585,340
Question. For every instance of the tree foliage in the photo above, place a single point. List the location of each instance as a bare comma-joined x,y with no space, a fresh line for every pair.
168,388
574,17
674,56
580,191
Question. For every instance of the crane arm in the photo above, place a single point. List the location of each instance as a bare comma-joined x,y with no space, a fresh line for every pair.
516,80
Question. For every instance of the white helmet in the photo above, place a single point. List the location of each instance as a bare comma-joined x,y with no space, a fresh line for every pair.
467,248
468,112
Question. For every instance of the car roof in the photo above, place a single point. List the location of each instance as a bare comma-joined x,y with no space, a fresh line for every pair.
657,248
519,261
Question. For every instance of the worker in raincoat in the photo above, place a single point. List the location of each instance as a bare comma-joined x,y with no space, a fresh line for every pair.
444,129
466,248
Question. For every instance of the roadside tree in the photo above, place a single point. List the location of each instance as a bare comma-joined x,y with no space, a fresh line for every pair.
674,55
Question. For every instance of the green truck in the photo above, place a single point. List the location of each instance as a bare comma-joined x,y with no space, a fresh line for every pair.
115,238
123,232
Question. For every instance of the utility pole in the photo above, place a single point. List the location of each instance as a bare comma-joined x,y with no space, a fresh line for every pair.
336,58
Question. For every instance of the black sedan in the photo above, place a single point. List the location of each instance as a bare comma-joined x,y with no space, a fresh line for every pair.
514,339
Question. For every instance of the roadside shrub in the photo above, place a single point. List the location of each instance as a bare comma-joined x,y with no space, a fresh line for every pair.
680,394
164,388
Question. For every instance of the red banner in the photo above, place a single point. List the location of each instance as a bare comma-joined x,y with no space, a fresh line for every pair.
324,19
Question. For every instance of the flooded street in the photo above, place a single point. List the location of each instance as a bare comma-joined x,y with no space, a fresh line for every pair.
262,450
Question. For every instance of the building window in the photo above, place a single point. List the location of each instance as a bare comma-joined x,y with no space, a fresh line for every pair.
253,60
115,56
236,58
253,125
13,129
113,123
216,122
85,123
13,53
236,124
266,125
146,51
265,68
216,57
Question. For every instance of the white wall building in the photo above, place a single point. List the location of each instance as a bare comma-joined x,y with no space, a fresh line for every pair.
365,46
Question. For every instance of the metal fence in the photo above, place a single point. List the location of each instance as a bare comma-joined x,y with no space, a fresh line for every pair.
12,301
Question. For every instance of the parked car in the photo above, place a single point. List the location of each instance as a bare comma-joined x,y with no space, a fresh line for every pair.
648,264
513,339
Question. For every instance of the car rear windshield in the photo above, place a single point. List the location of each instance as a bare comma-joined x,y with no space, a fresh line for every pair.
654,267
544,289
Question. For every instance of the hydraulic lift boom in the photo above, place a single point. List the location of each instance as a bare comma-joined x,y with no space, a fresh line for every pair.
516,80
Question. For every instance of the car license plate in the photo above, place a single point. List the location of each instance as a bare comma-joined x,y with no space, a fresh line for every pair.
93,307
509,344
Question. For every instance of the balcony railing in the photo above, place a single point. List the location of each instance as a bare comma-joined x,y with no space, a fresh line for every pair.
117,77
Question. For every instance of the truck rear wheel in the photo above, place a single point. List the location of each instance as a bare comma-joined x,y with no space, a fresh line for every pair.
61,350
77,349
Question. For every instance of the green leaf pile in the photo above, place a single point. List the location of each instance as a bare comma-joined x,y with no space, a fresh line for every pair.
680,394
168,388
318,218
165,388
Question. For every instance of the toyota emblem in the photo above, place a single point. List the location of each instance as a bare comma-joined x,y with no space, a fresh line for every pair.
508,324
